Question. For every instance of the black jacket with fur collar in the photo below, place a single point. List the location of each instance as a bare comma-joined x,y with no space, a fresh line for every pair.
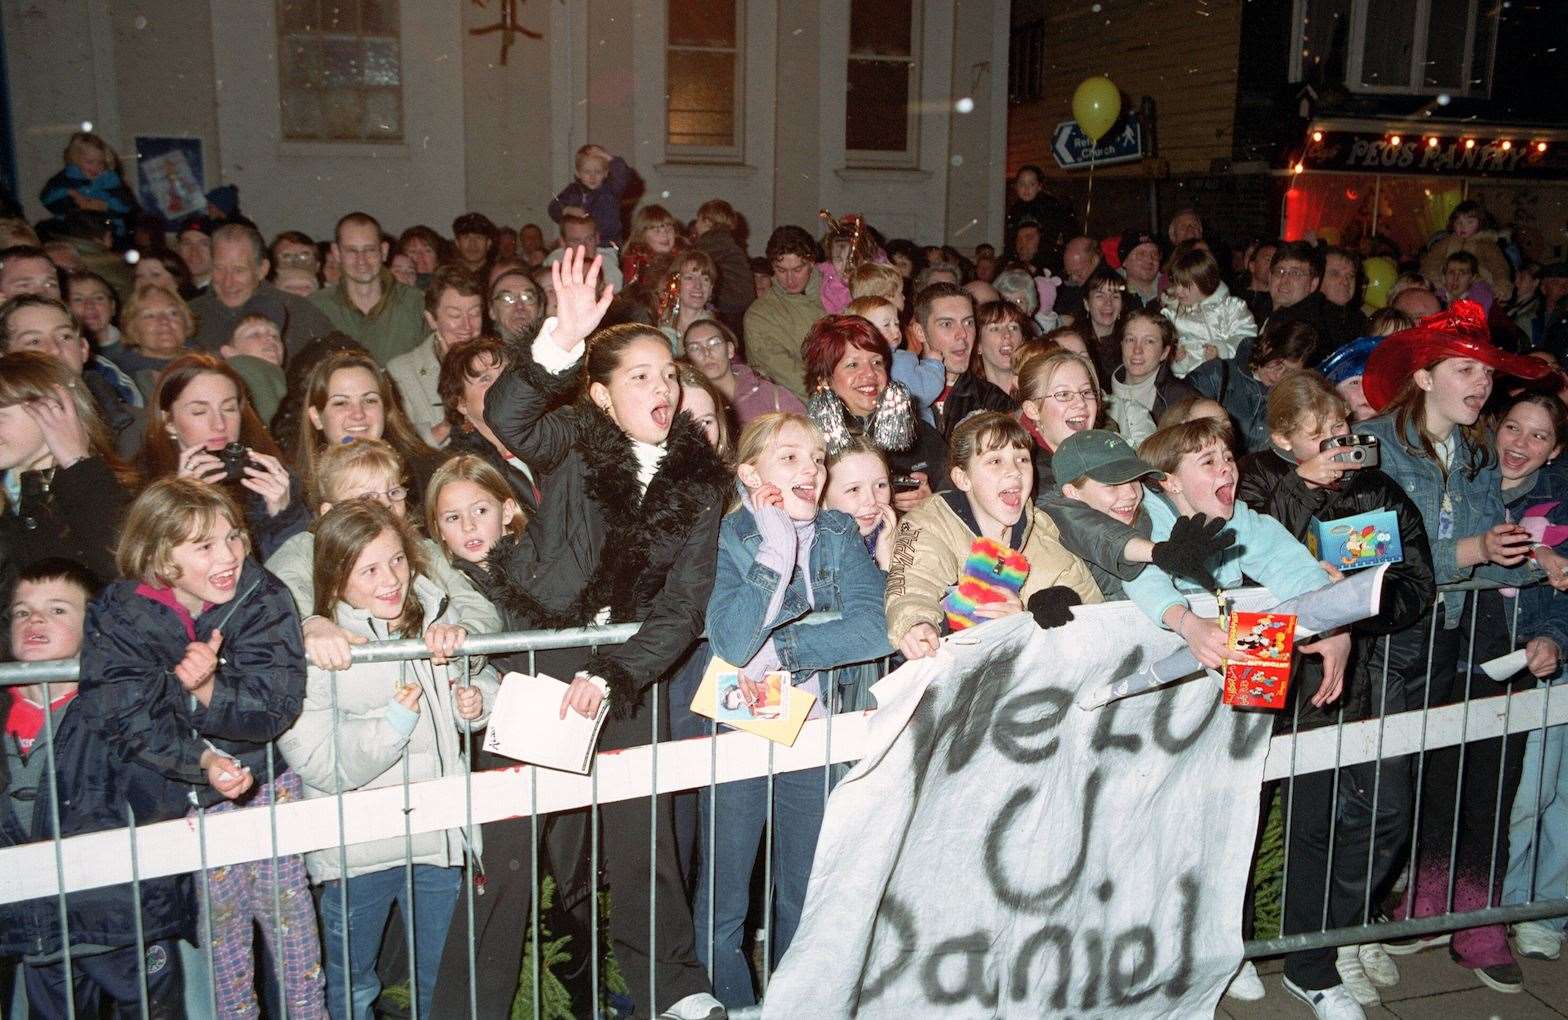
597,539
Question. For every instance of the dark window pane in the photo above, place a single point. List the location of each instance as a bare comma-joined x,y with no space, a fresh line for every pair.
297,15
339,16
342,62
382,65
701,98
1390,39
383,117
881,27
302,62
702,23
1325,40
876,116
302,114
378,17
1445,45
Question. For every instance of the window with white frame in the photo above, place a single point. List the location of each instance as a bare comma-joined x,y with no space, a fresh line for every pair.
703,80
883,83
1421,47
340,70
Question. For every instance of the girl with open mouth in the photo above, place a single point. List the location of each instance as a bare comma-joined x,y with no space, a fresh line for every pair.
994,479
195,660
632,497
1429,385
1060,395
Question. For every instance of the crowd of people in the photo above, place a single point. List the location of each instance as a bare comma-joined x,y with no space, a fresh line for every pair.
227,463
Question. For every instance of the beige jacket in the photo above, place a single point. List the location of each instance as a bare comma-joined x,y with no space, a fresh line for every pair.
368,752
416,373
929,553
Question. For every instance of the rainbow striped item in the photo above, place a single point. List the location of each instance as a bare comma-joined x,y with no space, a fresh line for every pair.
991,573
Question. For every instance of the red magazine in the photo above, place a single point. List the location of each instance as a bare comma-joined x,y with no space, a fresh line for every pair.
1257,659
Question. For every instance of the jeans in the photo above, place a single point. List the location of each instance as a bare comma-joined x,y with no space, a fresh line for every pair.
742,813
1538,826
370,899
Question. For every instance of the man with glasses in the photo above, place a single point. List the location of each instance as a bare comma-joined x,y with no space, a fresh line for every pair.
516,308
1297,292
366,303
294,249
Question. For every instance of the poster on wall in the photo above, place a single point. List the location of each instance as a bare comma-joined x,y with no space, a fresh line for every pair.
170,175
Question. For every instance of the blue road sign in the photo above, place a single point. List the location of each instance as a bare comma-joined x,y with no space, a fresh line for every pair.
1072,149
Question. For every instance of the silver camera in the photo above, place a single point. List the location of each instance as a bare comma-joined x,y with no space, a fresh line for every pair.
1354,449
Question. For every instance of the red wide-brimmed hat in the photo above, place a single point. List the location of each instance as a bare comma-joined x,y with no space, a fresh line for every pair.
1459,331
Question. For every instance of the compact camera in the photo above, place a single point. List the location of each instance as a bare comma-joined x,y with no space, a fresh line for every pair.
234,457
1355,449
905,483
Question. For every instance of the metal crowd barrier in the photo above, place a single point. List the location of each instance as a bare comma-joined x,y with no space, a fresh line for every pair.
1384,737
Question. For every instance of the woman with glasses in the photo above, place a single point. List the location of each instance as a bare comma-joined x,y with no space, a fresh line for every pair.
158,327
517,307
1060,395
686,296
710,348
847,376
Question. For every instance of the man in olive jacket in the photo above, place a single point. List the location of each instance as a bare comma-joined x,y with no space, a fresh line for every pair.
776,323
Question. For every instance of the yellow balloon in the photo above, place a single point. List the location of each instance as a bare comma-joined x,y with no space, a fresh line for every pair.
1381,272
1097,102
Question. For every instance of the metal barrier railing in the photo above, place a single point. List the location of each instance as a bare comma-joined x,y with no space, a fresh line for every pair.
662,767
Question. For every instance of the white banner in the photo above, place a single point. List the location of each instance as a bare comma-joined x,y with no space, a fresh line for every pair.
1002,852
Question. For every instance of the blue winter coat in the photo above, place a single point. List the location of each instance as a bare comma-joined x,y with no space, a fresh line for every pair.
133,701
97,792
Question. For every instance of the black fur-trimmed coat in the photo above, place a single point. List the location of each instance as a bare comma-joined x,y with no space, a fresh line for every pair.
597,539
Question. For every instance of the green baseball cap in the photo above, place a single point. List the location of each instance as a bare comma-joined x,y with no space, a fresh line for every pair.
1102,455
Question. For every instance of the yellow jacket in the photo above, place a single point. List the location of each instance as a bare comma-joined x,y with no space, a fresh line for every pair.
929,552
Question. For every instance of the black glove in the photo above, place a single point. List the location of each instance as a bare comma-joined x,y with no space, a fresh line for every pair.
1194,541
1053,606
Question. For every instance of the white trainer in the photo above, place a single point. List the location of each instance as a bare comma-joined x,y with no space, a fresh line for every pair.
1538,941
1379,966
1360,986
700,1006
1330,1003
1246,986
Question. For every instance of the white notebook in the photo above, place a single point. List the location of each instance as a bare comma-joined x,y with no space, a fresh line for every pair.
526,724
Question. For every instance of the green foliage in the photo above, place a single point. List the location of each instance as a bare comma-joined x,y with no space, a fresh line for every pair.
555,1002
1267,874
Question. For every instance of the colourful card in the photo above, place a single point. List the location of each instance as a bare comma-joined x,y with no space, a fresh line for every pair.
779,722
1257,659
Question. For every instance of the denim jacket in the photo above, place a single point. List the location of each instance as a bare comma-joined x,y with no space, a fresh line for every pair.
844,577
1474,500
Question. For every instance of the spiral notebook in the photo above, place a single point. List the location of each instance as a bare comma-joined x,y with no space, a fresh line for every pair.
526,724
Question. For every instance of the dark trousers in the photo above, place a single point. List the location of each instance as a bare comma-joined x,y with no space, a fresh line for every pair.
651,941
1460,818
502,915
1313,804
109,978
